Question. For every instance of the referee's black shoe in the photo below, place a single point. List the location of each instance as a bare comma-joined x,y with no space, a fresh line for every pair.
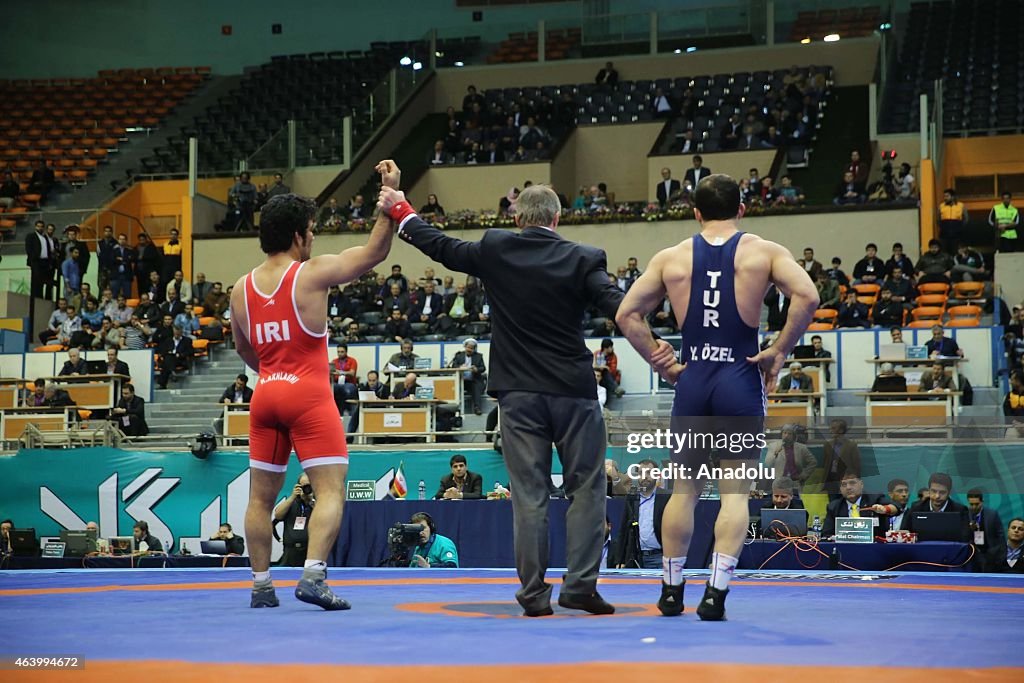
592,603
712,605
671,601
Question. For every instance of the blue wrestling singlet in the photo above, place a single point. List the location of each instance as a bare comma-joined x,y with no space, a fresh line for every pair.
718,380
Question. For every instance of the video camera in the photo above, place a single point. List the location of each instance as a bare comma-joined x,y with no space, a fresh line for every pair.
402,538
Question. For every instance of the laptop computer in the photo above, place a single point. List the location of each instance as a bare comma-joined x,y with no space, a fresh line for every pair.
777,523
122,545
938,526
803,352
24,542
79,543
892,351
213,547
96,367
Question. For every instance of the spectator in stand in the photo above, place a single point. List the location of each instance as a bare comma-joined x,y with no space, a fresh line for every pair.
432,209
900,287
172,306
200,288
92,314
474,375
124,259
57,318
607,76
428,306
278,187
116,366
934,265
935,379
813,267
789,194
353,335
606,360
1005,218
906,184
72,242
135,334
109,336
180,286
852,313
968,265
941,346
331,217
668,189
216,303
396,299
886,312
72,324
243,195
870,269
857,168
147,311
849,191
778,308
898,260
1013,405
171,266
396,327
472,98
663,105
836,272
105,256
357,209
952,220
344,378
9,190
74,365
828,291
729,135
769,193
175,353
147,262
188,321
696,174
42,180
796,381
821,352
37,399
130,413
396,277
1013,563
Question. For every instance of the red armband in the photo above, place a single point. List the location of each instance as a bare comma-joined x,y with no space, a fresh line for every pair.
400,211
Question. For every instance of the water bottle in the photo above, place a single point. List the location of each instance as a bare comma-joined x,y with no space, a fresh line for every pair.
422,488
816,528
497,486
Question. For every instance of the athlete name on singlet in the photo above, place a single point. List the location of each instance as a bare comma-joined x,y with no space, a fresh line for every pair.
279,377
711,298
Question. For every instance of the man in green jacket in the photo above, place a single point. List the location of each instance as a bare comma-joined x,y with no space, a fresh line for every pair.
434,549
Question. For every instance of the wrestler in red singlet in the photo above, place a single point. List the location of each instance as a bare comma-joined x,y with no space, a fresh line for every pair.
292,405
279,328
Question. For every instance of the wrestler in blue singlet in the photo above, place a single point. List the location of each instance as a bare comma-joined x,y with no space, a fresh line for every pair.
718,380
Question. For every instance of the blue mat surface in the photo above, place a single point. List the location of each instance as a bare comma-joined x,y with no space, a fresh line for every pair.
425,617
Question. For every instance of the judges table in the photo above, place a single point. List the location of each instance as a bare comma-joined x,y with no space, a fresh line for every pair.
447,381
397,417
891,408
125,562
236,422
13,421
95,392
873,557
482,529
789,406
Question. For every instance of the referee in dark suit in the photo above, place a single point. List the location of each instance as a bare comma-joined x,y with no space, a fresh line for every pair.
538,286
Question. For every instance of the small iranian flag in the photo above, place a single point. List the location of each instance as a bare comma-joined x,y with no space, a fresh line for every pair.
398,487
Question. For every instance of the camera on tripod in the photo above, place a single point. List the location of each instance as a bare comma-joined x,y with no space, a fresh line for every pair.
886,187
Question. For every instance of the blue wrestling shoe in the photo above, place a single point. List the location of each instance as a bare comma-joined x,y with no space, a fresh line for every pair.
264,598
319,593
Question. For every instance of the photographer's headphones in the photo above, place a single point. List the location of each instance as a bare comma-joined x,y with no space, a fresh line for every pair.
428,519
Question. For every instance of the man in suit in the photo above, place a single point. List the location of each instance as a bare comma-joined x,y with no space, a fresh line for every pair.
889,381
427,307
789,458
638,545
608,75
148,260
39,250
796,381
74,365
175,352
778,308
855,503
460,483
821,352
940,485
538,287
899,494
123,268
697,173
238,392
783,498
83,249
1013,563
988,534
841,456
668,188
474,375
130,413
116,366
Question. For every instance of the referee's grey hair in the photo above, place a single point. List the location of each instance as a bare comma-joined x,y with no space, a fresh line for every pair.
538,205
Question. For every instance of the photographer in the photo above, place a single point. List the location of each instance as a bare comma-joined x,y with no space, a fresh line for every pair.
434,550
235,544
295,511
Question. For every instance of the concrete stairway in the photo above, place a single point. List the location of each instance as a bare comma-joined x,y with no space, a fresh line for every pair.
189,404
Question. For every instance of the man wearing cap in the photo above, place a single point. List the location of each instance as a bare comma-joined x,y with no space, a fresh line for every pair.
796,382
474,374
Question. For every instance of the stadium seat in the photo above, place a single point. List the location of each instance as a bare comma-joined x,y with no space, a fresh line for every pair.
964,322
938,300
933,288
921,324
49,348
931,313
968,311
820,327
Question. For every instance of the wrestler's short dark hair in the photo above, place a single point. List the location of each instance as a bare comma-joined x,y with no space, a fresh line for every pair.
283,217
717,197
